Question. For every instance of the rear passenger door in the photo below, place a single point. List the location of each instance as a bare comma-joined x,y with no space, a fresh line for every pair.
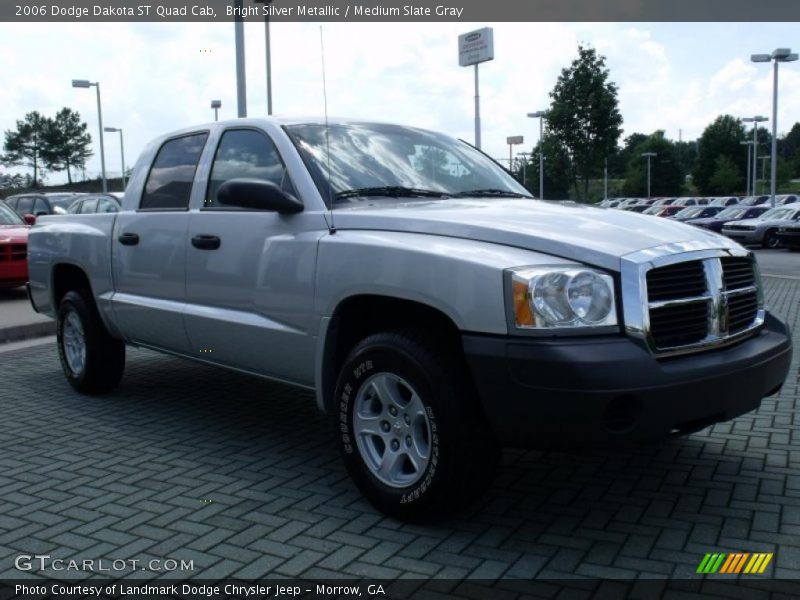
149,249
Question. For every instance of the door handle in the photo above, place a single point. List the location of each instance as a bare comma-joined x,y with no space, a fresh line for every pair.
206,242
128,239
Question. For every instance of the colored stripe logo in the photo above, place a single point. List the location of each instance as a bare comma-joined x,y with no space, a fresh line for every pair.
735,563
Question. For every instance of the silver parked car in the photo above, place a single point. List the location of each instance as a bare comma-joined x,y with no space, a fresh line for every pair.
764,229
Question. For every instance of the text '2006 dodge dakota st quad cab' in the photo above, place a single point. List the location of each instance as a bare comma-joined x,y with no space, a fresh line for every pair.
436,308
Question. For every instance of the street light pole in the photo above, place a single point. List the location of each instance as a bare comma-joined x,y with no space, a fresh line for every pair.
648,155
216,105
269,59
764,160
524,156
747,162
755,121
121,150
241,80
540,114
83,83
778,55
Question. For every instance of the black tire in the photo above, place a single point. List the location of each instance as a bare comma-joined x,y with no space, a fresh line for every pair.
463,455
771,239
104,360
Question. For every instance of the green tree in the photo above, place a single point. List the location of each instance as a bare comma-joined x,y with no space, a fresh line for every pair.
722,138
24,146
619,161
584,116
666,176
67,142
557,170
726,179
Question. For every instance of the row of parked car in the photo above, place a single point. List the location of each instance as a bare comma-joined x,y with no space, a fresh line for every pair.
18,213
749,220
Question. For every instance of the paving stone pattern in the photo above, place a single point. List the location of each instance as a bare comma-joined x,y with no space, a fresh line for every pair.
239,475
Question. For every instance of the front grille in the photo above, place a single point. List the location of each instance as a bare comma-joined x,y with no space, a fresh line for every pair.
740,228
681,280
13,252
701,301
738,276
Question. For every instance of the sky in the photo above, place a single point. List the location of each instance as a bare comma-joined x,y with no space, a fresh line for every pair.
159,77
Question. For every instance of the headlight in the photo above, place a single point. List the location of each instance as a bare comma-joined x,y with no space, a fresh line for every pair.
562,297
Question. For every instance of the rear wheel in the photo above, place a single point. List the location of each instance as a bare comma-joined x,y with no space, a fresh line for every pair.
410,428
92,360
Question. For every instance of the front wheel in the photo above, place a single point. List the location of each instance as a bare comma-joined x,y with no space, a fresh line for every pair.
409,427
771,239
92,360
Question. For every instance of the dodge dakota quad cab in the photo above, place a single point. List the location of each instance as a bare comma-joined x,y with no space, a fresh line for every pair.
438,310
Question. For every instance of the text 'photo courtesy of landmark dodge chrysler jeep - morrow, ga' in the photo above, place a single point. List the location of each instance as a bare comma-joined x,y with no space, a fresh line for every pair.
436,308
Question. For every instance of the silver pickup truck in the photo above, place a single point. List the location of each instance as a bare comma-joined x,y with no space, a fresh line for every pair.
436,308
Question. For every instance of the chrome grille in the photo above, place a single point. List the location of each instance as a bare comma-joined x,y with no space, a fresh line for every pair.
699,303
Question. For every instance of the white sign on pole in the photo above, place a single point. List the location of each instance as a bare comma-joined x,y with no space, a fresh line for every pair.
476,47
514,140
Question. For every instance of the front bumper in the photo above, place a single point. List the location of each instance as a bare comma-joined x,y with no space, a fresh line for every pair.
743,237
13,274
556,392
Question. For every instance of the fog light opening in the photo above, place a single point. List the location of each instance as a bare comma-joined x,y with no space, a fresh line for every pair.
622,414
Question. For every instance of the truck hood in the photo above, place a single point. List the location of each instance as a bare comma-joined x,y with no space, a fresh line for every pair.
594,236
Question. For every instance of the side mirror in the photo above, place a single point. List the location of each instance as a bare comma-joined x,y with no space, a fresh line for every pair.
257,194
29,219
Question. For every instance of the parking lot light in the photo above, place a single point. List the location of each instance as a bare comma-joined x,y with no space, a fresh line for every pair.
216,105
778,55
648,156
121,150
85,83
755,121
540,114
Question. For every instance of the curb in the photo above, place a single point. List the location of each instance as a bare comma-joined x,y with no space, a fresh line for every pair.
28,331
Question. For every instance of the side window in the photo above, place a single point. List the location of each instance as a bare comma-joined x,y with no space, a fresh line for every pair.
25,206
106,206
169,183
89,206
245,153
12,203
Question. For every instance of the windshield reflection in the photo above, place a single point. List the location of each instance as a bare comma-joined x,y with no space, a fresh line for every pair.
366,156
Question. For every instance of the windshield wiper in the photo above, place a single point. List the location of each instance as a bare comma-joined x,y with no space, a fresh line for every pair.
394,191
492,192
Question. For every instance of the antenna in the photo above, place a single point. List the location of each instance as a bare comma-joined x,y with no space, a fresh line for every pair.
331,227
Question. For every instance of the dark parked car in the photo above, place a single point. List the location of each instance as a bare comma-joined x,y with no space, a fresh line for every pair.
697,212
786,199
94,203
732,213
789,237
53,203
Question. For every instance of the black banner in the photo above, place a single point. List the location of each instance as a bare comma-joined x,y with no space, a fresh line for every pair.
392,10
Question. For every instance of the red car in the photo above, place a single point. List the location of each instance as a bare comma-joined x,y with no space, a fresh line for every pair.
13,248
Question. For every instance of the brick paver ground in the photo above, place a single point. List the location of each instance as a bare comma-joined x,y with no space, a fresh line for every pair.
240,476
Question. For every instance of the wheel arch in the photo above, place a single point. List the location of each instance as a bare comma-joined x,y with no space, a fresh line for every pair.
357,316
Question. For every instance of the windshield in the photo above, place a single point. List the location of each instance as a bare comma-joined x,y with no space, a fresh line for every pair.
731,213
777,214
8,216
689,212
368,159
